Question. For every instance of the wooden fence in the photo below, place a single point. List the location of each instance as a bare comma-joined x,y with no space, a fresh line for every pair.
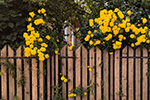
117,78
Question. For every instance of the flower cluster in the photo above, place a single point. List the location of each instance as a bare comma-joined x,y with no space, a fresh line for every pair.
36,44
90,69
64,79
72,95
113,27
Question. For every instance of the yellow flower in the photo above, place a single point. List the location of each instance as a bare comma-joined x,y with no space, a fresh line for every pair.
65,80
29,19
110,53
56,52
42,49
41,58
116,10
95,30
92,35
33,52
132,45
74,95
88,66
32,14
149,16
44,14
90,42
57,40
60,73
144,20
47,56
91,22
90,69
40,39
43,10
39,11
48,37
129,12
44,45
25,34
89,32
132,36
85,93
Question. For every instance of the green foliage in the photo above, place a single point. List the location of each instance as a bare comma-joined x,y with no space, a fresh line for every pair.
12,22
58,92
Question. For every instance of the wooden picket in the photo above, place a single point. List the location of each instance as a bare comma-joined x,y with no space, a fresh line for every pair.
19,71
138,75
124,74
4,75
107,80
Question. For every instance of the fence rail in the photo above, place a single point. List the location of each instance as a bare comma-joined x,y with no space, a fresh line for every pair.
123,75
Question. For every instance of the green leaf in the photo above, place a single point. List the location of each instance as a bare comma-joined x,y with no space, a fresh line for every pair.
15,98
0,73
11,25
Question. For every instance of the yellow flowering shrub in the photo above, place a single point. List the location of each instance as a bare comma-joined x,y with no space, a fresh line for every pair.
39,37
113,29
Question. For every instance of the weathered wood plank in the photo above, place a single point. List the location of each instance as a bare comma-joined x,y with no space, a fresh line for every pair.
19,73
11,79
117,74
63,53
124,73
145,79
34,80
48,80
4,75
52,73
130,75
27,80
98,73
41,80
138,75
92,73
84,69
111,77
105,76
70,71
78,70
57,69
69,34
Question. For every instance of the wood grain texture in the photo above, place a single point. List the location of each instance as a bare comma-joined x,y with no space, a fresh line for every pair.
27,92
70,71
92,73
34,80
124,73
105,76
130,75
84,69
145,78
57,69
111,77
78,70
117,74
48,80
19,73
53,76
98,75
63,53
4,75
138,75
11,79
41,80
